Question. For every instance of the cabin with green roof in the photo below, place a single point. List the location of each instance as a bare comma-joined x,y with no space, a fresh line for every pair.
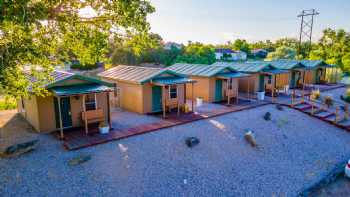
148,90
213,83
74,101
263,76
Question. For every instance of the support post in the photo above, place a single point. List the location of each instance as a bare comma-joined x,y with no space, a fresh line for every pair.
60,117
192,95
178,100
312,108
248,87
303,92
273,88
85,120
336,119
109,110
346,111
163,100
227,91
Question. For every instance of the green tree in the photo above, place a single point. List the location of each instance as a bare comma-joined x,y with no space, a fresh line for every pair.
334,48
197,53
35,33
241,45
282,52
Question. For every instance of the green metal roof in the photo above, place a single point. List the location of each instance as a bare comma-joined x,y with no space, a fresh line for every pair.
315,63
172,81
232,75
136,74
79,89
286,64
202,70
247,67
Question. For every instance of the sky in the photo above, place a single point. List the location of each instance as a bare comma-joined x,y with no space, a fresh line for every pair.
218,21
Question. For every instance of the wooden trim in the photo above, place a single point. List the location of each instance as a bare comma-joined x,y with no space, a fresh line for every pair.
60,117
109,110
85,120
192,97
163,100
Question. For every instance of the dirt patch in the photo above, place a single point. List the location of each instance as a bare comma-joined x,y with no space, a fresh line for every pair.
14,129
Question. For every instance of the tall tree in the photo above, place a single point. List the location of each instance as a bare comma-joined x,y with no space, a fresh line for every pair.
34,33
197,53
334,48
282,52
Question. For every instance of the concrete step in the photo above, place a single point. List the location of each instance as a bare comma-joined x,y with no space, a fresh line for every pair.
323,114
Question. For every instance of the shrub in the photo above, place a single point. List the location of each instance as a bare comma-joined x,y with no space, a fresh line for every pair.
315,94
328,100
7,103
83,67
347,93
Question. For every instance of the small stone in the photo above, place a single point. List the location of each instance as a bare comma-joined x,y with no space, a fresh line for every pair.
250,137
267,116
192,141
79,160
279,107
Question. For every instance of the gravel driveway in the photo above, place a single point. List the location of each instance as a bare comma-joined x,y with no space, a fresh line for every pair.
294,151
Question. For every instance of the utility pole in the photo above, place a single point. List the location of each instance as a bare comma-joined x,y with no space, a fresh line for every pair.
306,25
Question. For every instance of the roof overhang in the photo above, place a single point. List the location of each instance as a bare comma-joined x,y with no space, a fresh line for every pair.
79,89
171,81
232,75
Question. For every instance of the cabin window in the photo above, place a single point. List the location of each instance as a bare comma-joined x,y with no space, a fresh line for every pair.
90,102
229,85
269,79
173,92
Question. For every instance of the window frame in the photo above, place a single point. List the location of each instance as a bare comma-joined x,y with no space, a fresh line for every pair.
90,104
172,87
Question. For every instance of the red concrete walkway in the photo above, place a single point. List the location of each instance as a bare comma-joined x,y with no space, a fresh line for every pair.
76,139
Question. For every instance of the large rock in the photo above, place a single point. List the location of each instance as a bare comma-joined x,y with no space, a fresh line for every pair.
79,160
18,149
192,141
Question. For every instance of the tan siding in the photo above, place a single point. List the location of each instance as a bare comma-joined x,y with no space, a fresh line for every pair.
201,89
310,77
131,97
102,103
31,112
76,105
253,81
46,110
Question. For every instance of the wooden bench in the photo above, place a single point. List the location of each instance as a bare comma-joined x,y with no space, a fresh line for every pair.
92,116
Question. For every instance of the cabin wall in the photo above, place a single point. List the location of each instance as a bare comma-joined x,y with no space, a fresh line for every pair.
253,82
310,76
46,110
31,113
131,97
282,80
180,96
233,92
204,88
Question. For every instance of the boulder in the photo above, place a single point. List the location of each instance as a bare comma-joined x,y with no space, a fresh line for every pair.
18,149
267,116
192,141
79,160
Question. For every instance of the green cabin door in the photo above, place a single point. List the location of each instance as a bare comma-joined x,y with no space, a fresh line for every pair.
65,112
292,80
261,83
156,99
218,90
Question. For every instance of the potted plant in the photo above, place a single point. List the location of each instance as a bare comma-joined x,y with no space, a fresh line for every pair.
328,100
315,94
103,128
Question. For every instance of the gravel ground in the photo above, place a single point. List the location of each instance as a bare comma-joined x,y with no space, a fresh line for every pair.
294,151
124,119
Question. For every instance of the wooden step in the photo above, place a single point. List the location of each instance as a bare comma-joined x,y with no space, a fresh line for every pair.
324,114
344,123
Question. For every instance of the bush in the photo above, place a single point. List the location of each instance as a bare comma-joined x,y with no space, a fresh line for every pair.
315,94
328,100
7,103
79,66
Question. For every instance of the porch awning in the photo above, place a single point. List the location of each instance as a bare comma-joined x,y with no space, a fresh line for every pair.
172,81
232,75
80,89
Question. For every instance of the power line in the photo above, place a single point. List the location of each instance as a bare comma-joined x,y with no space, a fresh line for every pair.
306,25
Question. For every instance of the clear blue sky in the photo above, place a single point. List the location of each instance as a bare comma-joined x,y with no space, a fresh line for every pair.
211,21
